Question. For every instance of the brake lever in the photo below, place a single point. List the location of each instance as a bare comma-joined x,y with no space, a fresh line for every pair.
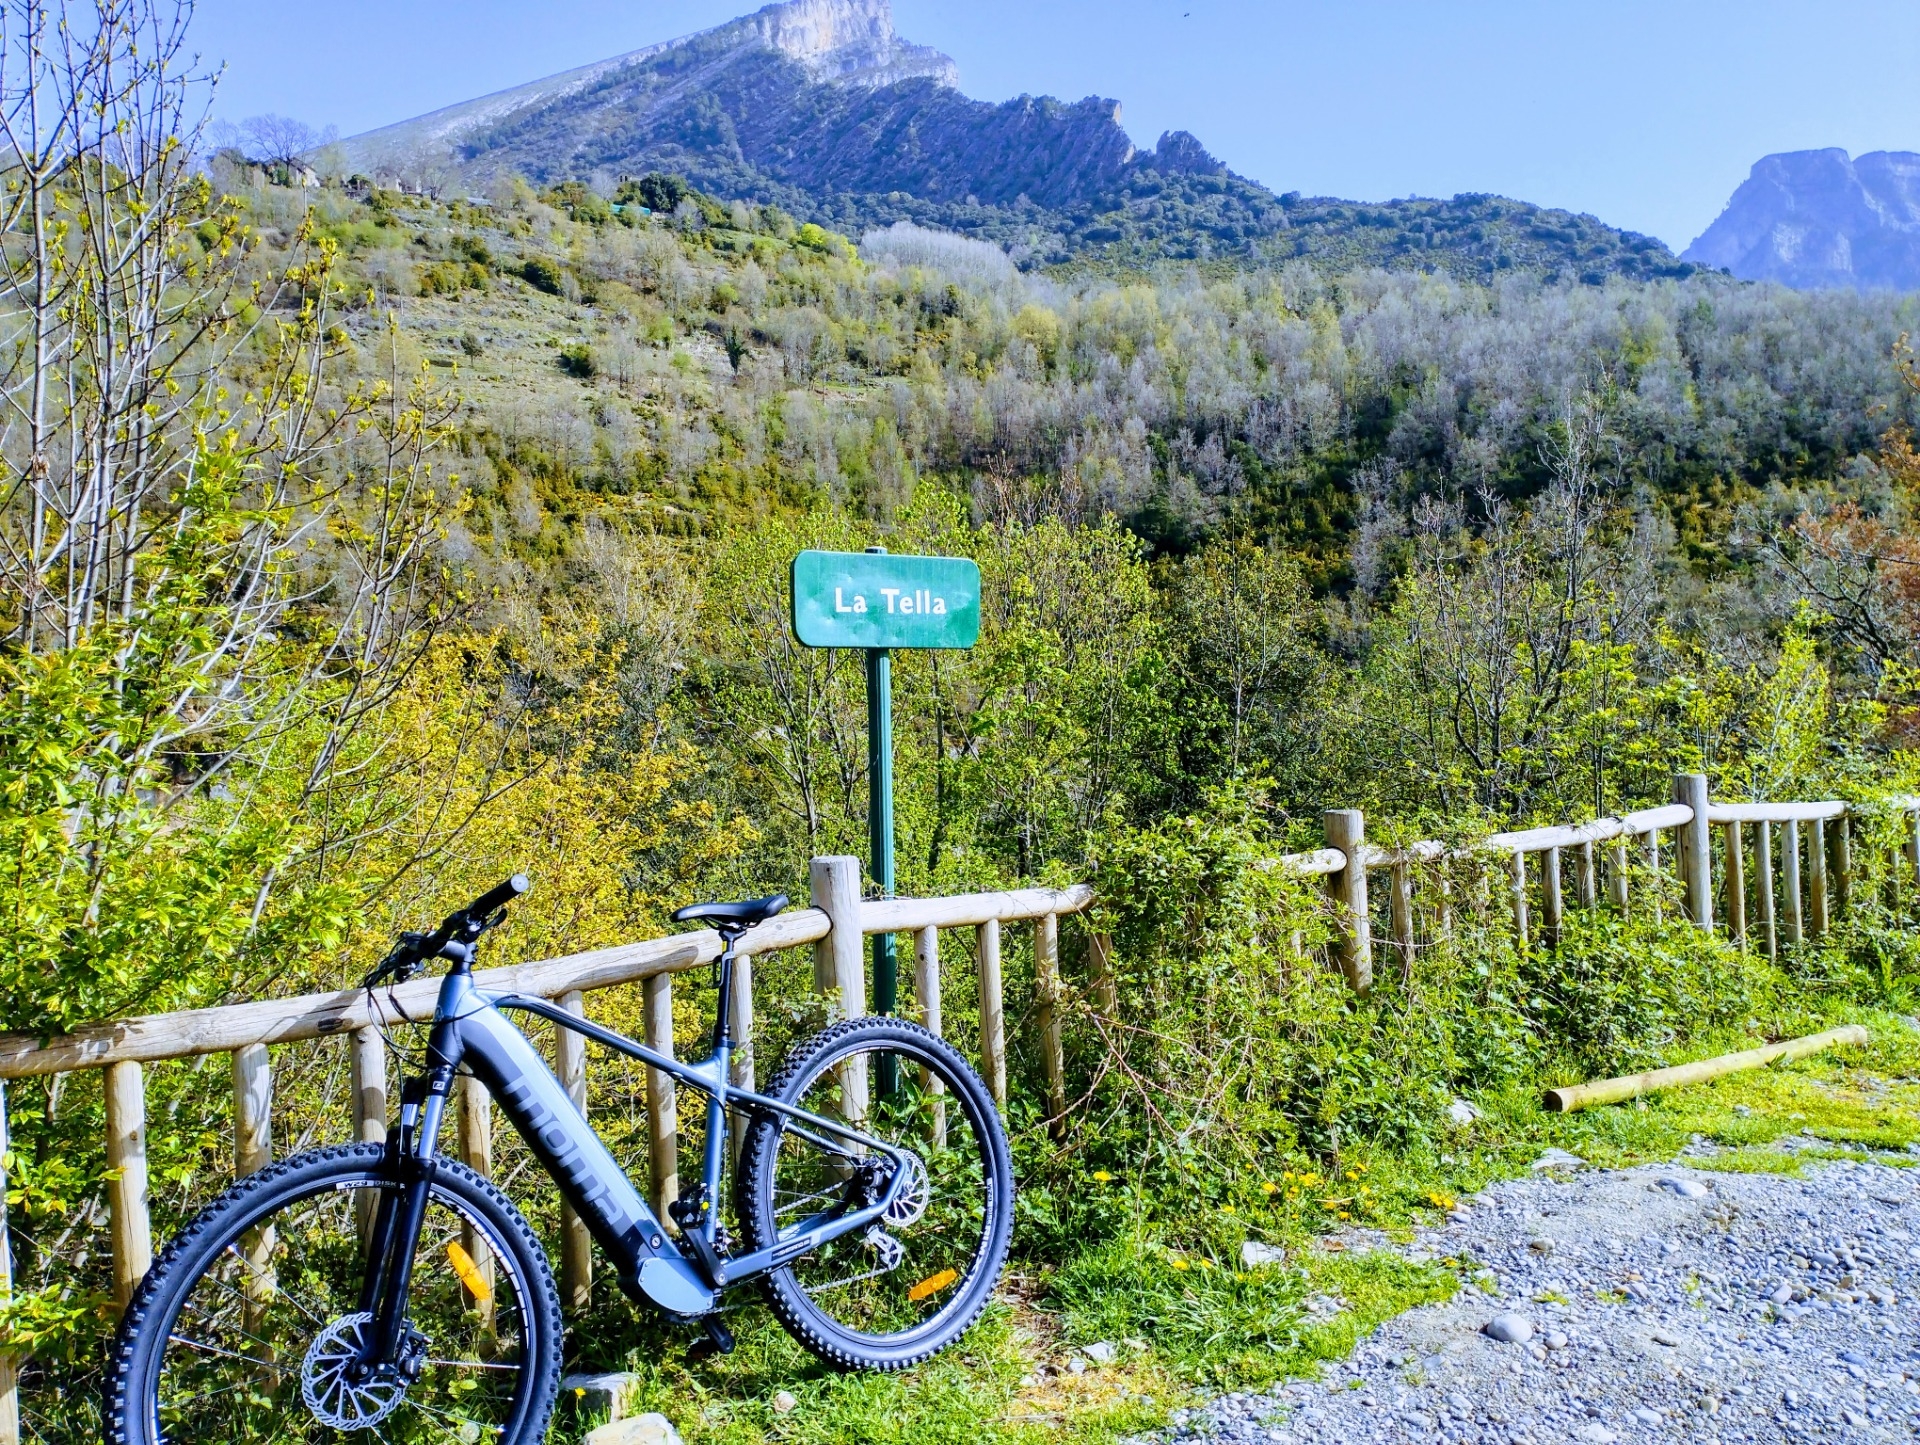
400,965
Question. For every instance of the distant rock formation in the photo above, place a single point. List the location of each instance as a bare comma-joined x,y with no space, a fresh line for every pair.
820,107
839,42
1816,219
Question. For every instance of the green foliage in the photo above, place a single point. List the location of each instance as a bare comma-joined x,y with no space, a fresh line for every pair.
544,274
576,359
657,191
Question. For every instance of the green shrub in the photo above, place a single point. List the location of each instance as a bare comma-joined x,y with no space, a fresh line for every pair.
544,275
578,360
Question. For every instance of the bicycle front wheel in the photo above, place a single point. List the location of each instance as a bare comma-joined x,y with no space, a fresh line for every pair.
248,1329
889,1296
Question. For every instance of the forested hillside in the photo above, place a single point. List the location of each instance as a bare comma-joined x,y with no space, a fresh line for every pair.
409,543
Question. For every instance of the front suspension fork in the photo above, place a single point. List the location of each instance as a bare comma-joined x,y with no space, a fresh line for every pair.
395,1236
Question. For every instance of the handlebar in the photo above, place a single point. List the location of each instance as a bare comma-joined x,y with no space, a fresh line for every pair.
463,925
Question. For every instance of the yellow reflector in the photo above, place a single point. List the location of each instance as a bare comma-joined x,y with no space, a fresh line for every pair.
932,1284
469,1272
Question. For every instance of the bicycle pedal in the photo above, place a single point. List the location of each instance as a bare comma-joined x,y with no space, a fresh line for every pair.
719,1341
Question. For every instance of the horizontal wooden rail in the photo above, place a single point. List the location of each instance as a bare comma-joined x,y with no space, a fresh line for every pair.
1317,864
910,915
1774,812
323,1015
1539,840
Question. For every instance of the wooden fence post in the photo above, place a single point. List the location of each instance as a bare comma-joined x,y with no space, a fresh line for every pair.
1105,987
1763,886
252,1110
126,1096
993,1011
1736,871
1696,853
1586,886
839,961
1913,847
1046,987
367,1073
1841,842
475,1140
252,1152
1818,913
1400,908
663,1098
367,1078
926,992
1617,873
1552,907
1655,906
1346,830
576,1244
1790,883
741,1024
9,1376
1517,888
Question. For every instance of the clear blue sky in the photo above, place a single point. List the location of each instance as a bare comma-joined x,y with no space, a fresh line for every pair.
1646,114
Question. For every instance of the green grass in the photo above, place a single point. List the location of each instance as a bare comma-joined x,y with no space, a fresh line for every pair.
1214,1324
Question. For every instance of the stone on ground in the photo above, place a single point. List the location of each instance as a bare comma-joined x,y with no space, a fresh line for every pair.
639,1430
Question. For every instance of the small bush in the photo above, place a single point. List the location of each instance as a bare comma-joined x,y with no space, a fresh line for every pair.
578,360
544,275
474,248
450,278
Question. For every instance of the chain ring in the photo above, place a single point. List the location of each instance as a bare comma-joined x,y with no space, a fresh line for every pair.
330,1395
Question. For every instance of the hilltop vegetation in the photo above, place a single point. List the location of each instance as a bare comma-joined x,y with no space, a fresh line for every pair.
732,354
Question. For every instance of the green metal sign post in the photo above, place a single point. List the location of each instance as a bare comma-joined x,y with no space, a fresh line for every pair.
877,602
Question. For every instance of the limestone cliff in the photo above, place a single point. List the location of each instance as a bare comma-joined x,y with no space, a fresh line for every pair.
839,42
1814,219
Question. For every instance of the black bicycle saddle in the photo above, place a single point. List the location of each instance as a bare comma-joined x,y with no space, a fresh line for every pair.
732,915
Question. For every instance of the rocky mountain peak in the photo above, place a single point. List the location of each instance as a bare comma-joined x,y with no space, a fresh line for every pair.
1821,218
846,42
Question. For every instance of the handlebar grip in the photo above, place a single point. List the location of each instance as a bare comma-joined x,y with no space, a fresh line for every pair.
498,898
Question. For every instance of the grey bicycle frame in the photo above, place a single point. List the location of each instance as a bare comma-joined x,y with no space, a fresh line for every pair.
470,1030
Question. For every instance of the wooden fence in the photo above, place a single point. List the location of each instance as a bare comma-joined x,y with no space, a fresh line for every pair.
1788,905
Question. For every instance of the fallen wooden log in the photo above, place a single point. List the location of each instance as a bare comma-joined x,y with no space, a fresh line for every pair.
1630,1086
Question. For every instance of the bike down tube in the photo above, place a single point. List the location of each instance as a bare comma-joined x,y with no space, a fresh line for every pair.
700,1075
819,1229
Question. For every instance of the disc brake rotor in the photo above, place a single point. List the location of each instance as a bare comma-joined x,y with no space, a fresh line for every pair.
336,1399
915,1194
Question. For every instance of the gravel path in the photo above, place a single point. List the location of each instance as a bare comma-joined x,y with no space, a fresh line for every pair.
1650,1304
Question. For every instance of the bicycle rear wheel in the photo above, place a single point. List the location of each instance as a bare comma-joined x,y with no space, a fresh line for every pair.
247,1330
890,1296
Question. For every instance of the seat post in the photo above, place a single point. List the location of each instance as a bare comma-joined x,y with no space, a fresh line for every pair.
722,1023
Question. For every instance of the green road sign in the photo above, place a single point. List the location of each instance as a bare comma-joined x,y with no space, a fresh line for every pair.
874,599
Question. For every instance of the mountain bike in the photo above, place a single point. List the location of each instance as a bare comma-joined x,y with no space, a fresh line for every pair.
390,1291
